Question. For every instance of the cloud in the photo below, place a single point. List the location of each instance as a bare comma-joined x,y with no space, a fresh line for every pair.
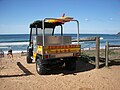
86,19
111,18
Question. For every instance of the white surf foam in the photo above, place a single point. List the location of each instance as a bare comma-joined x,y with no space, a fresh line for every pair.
14,43
3,47
77,42
101,38
16,51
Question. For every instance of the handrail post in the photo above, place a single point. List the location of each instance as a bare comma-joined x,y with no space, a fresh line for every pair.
97,51
107,54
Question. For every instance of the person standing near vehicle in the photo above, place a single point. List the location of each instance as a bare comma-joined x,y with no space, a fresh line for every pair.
10,53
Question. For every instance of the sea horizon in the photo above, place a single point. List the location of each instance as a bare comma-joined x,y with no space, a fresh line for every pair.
57,33
19,42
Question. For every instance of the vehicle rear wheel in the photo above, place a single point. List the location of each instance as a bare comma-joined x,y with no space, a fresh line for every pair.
70,64
40,67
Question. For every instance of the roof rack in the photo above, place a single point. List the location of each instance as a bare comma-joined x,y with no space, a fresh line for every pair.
50,22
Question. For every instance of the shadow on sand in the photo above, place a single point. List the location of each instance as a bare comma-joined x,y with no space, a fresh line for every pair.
82,65
26,72
114,62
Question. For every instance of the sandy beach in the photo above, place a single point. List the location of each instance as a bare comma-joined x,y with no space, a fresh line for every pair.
16,74
64,35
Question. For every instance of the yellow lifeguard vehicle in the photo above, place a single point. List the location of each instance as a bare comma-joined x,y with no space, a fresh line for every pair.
50,50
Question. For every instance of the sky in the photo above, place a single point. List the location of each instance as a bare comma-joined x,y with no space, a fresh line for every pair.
95,16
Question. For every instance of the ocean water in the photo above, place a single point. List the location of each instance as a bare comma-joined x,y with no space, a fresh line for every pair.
19,42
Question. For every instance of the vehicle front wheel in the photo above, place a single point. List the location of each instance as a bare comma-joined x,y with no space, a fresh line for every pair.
41,70
29,60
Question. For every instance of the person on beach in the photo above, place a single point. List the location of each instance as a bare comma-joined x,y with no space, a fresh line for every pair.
1,53
10,53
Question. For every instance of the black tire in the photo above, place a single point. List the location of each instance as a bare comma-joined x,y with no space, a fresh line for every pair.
29,54
29,60
70,64
41,70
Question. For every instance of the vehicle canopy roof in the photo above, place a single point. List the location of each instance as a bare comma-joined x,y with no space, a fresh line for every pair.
38,24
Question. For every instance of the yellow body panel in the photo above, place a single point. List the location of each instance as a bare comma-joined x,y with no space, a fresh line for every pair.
40,49
61,50
34,55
